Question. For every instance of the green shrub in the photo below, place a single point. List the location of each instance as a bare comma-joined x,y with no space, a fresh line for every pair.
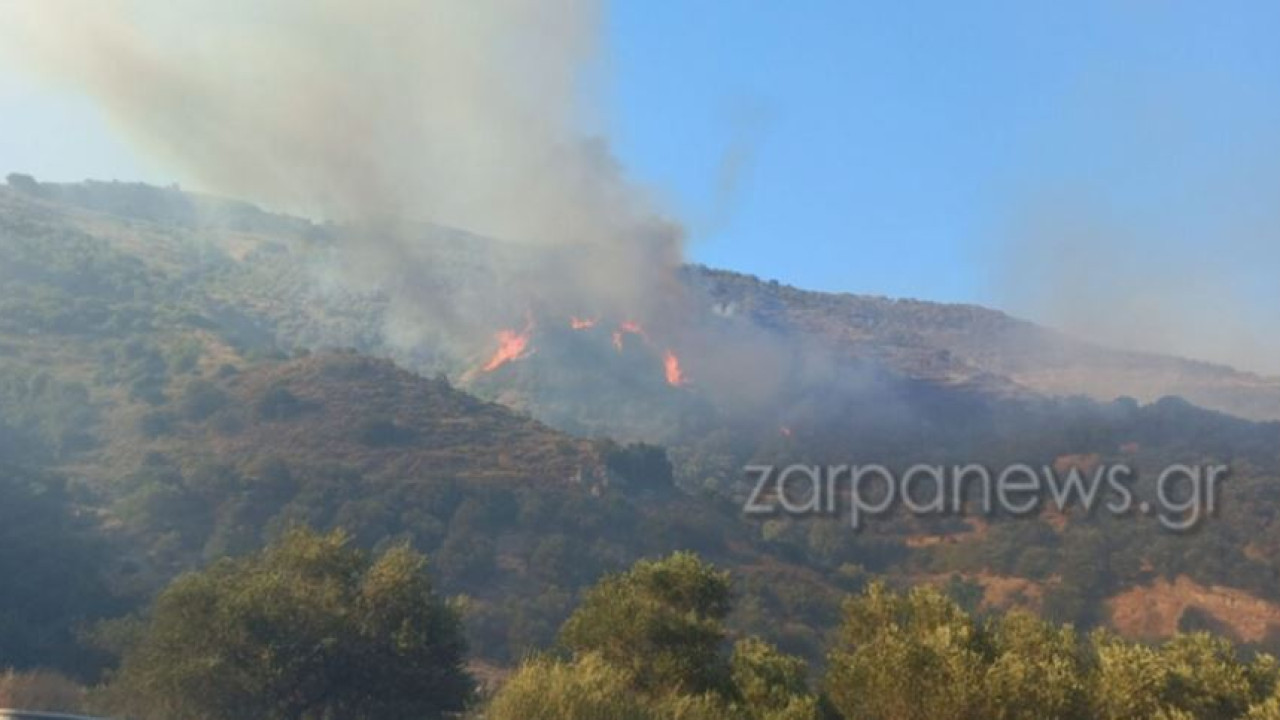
308,628
587,689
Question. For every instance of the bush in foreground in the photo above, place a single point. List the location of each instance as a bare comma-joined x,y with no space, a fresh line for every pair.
918,655
309,628
650,644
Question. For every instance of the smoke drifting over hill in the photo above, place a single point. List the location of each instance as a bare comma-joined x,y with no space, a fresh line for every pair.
466,113
1151,284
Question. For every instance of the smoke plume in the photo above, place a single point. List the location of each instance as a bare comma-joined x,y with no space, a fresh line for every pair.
466,113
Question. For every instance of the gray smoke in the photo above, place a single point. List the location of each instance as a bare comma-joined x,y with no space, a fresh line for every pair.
471,114
1200,293
1145,216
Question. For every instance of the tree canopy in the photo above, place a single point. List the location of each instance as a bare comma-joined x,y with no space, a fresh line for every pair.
902,656
649,643
309,628
50,560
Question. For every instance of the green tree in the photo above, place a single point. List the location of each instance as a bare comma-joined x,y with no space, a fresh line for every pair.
1196,676
641,466
1039,671
647,644
310,628
1207,679
200,399
662,622
1131,679
770,684
588,688
50,561
907,657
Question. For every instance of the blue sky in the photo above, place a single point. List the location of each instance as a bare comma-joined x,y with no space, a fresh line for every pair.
892,144
1017,154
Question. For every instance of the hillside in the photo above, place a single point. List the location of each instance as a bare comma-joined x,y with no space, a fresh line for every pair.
381,421
260,269
967,343
202,381
185,433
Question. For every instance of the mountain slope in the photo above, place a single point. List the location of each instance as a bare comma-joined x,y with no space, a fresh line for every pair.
190,366
263,267
967,342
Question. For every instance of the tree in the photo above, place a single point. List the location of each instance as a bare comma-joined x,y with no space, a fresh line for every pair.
662,622
1039,671
545,689
23,183
50,561
770,684
308,629
1196,675
278,404
647,645
907,657
640,465
1131,679
1208,680
918,655
201,398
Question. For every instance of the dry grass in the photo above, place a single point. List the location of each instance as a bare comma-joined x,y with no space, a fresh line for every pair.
40,690
999,592
1154,611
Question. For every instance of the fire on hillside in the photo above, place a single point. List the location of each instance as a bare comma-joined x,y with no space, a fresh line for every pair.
515,345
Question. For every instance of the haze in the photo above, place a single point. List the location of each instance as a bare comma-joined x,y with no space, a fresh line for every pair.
1111,170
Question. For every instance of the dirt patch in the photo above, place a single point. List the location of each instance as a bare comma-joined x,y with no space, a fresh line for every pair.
999,592
1006,592
1154,611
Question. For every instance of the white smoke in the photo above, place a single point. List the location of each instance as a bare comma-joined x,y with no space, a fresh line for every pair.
467,113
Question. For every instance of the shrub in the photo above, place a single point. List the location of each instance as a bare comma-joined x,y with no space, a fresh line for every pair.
278,404
662,621
200,399
545,689
308,628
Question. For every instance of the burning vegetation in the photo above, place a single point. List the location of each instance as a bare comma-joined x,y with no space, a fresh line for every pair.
512,346
516,345
671,364
628,327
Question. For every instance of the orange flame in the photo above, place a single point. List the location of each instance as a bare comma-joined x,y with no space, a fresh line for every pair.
675,376
512,346
578,323
628,328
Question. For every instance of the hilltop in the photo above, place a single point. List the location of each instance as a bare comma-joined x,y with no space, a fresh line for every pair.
969,343
259,267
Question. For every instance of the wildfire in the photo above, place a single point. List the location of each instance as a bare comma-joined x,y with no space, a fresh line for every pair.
512,346
628,328
675,376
